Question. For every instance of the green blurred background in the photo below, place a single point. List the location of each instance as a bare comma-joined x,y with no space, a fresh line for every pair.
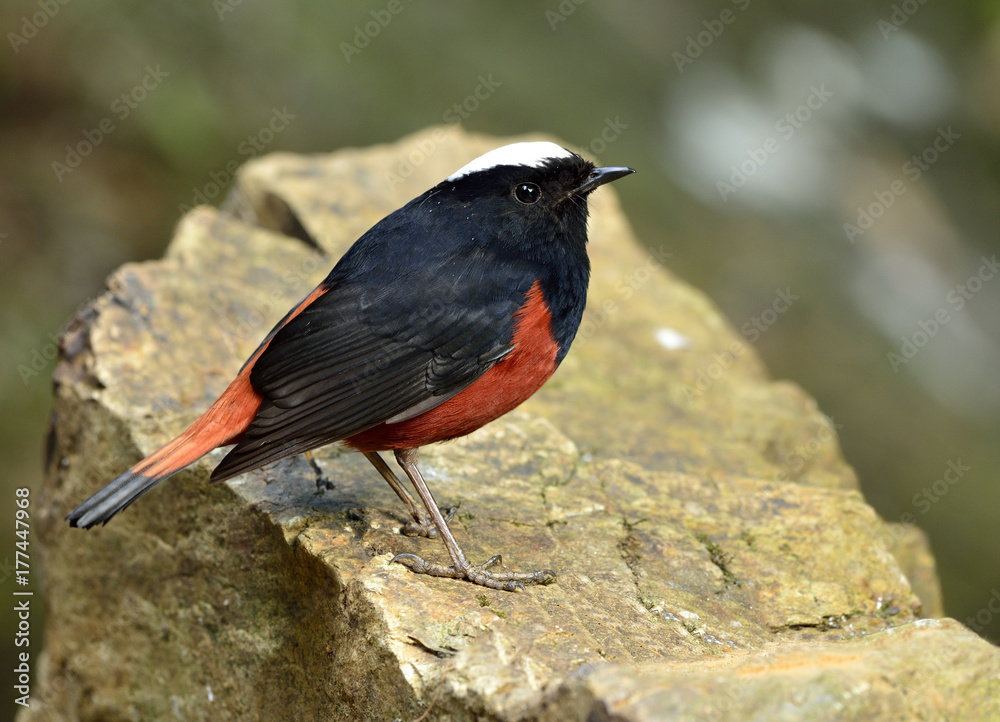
810,111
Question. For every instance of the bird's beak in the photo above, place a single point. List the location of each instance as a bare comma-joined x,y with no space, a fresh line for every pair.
600,176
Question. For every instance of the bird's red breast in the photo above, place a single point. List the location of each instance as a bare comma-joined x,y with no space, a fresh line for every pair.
503,387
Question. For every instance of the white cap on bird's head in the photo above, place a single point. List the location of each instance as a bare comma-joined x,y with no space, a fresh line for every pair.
531,153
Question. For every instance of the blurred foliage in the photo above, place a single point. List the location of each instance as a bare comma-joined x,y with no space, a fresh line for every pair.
170,95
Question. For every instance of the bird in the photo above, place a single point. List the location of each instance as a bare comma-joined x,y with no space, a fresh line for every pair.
448,313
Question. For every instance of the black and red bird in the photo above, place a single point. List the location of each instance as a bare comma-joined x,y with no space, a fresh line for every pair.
447,314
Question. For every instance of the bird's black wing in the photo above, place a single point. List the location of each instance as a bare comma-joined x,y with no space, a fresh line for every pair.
365,352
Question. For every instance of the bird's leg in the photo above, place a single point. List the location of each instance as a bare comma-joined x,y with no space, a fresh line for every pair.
461,567
322,483
421,524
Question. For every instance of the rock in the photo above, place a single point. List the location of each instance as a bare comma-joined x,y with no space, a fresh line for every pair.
716,560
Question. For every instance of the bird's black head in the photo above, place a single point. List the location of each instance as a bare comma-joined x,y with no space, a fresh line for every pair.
526,197
511,219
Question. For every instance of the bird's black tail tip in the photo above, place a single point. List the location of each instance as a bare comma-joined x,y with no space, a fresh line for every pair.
74,521
102,506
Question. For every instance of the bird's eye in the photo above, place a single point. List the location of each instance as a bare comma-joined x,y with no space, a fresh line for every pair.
527,193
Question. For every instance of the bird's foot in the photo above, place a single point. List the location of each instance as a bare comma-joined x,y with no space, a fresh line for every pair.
478,574
425,527
322,483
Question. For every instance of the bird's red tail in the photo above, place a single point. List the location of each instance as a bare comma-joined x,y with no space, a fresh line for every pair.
224,423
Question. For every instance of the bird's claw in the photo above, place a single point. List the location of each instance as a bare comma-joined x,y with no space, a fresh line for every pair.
425,527
478,574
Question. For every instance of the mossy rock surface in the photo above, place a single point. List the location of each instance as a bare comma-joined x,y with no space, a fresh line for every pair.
715,557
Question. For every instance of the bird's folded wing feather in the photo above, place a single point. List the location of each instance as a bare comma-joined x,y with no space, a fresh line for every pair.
361,354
